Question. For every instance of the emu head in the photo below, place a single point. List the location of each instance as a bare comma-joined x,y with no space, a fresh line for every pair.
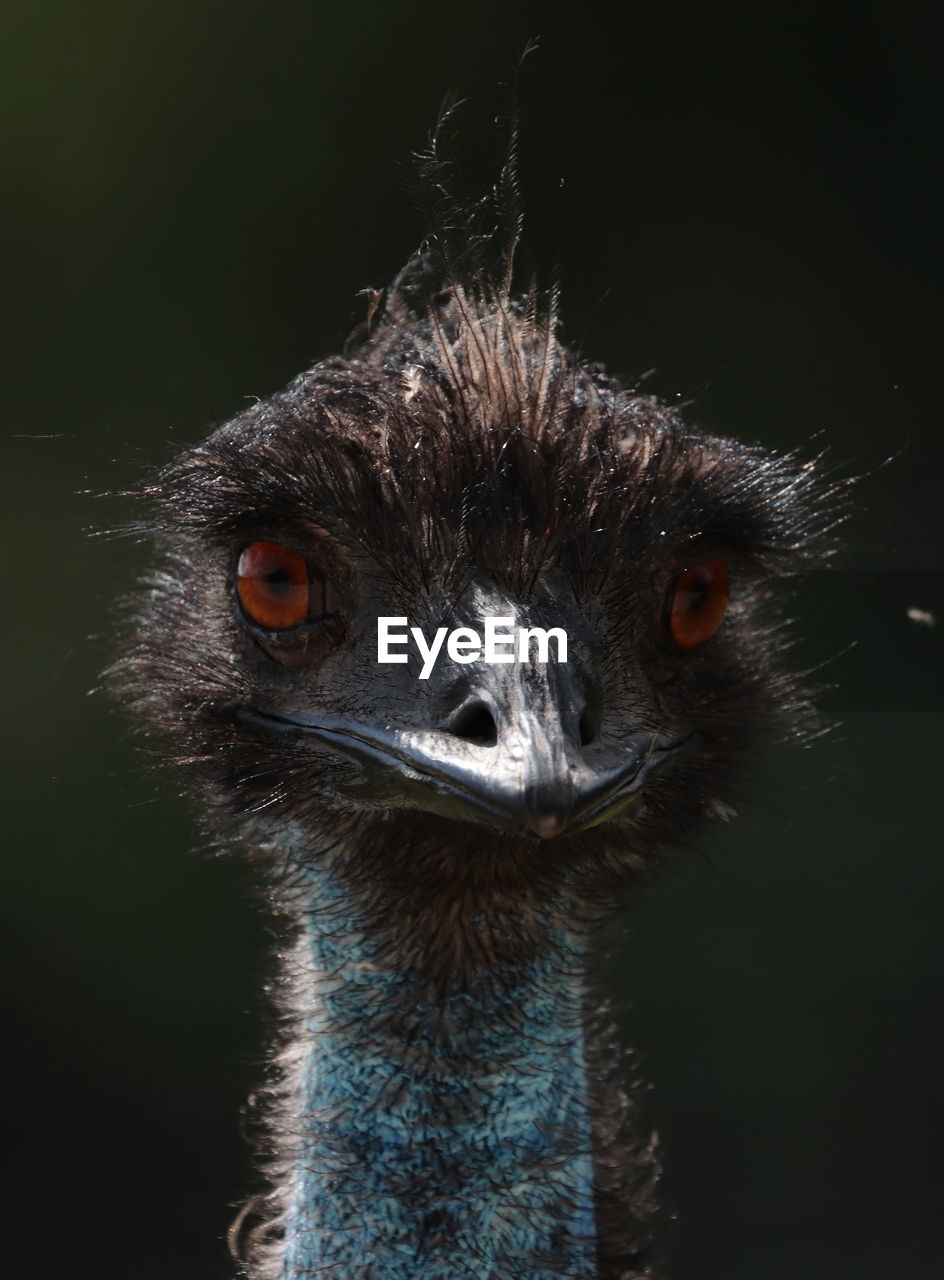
461,464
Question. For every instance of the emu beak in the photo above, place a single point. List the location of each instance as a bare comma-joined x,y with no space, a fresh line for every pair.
510,756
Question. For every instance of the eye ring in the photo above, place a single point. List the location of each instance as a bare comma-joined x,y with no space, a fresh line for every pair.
273,586
695,606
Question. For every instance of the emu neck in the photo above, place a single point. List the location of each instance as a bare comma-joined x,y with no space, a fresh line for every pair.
433,1138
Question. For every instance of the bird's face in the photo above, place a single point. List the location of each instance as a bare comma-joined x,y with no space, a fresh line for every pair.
347,632
540,713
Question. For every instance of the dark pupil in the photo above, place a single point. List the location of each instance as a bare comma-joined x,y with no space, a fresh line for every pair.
278,581
697,594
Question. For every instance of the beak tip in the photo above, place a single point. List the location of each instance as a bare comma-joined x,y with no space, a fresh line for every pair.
547,825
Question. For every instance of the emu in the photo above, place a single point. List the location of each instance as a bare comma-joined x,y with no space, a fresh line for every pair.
445,1097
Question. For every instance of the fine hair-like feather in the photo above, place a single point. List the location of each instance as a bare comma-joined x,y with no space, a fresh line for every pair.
460,453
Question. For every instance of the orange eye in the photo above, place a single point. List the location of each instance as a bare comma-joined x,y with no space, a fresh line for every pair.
273,586
697,605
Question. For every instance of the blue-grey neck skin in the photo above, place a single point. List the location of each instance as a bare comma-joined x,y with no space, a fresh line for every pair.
431,1138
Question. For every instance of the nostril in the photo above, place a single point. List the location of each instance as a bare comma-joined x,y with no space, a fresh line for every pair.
588,727
475,723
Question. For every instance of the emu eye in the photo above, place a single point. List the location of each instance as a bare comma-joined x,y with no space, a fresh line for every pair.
696,605
272,584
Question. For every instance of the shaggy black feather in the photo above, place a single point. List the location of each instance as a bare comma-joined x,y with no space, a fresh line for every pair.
459,443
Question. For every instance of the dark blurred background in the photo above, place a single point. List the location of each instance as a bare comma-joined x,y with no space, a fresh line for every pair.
746,199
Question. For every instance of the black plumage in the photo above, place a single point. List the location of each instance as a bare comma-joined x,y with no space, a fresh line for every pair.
458,459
